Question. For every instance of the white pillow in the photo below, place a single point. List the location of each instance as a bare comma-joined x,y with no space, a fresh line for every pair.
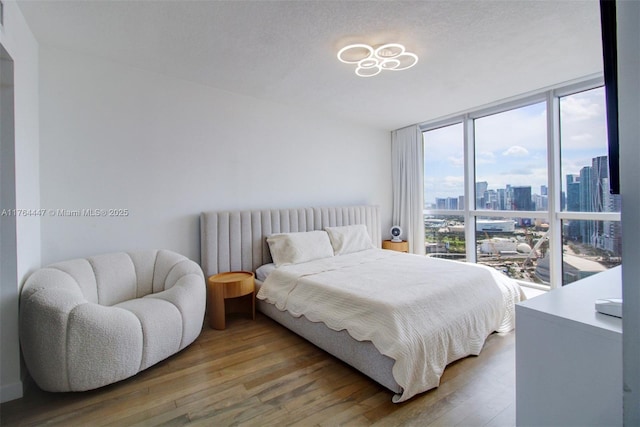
349,238
294,248
264,270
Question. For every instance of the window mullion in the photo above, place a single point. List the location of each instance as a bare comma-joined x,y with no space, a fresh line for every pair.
555,189
469,189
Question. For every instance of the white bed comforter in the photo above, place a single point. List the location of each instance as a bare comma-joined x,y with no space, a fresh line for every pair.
422,312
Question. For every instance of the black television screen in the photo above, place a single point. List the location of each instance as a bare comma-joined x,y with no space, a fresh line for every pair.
610,63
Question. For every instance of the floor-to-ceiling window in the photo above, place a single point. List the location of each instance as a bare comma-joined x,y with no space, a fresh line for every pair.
522,186
591,243
444,185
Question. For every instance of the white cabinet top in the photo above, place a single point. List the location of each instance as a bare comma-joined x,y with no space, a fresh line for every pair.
576,303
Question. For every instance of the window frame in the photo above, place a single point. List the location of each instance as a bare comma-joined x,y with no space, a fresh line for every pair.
554,214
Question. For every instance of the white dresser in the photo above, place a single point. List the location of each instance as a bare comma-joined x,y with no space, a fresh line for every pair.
569,357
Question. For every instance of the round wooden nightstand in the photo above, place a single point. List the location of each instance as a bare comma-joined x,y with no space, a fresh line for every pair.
224,286
402,246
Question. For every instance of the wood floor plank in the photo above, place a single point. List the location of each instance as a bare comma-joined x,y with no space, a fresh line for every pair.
257,373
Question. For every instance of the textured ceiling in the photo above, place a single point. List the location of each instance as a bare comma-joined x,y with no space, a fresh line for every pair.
471,52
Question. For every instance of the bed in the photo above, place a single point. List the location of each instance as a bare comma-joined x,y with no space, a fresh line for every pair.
333,299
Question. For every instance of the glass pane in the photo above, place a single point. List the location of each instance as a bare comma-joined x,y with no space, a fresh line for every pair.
444,236
444,168
583,150
514,246
511,160
589,247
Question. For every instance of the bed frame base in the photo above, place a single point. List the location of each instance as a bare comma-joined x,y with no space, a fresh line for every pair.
362,355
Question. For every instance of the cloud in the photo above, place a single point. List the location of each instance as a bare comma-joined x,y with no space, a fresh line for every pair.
454,181
519,171
485,157
524,127
456,161
516,151
583,124
583,106
583,137
573,166
445,186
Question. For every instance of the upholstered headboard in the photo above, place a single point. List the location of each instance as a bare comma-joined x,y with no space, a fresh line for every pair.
236,240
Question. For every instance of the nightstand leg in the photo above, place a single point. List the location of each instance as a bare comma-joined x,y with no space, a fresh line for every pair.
216,308
253,305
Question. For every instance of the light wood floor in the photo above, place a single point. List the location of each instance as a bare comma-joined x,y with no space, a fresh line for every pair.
257,373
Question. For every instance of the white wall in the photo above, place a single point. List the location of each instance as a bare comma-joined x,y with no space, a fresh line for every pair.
629,111
19,42
115,137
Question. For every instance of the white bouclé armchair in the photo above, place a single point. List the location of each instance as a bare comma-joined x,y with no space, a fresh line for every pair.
86,323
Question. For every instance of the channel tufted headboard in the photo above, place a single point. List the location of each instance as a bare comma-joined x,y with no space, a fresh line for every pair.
236,240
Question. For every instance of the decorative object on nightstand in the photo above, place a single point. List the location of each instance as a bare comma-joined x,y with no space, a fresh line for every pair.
401,246
229,286
396,232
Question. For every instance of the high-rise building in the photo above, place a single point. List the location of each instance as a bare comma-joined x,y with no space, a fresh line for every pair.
587,229
522,198
502,198
481,189
600,185
452,203
594,196
573,193
573,230
508,197
586,190
540,202
449,203
491,200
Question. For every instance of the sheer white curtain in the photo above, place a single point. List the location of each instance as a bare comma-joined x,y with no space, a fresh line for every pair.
407,170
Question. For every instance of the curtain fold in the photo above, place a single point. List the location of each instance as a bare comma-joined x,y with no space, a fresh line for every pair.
407,169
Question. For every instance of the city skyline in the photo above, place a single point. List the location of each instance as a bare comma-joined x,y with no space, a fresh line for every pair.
482,187
511,147
587,191
571,187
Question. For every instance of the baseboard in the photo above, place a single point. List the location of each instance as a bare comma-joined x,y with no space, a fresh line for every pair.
11,392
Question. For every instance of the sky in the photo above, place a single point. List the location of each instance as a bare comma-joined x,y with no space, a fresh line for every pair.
511,146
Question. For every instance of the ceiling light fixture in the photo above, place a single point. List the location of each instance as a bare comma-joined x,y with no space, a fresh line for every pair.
371,61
